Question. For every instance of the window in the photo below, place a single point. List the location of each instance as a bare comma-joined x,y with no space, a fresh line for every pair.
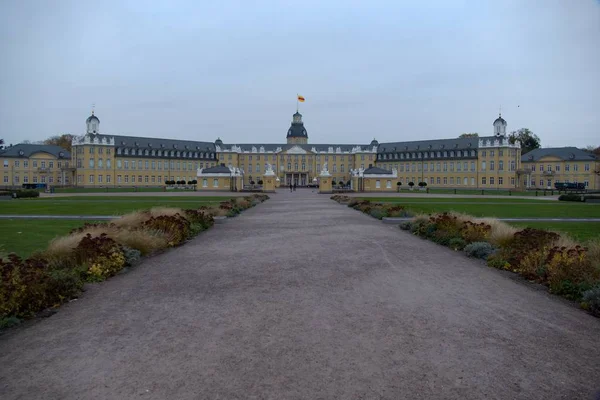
472,181
483,154
567,167
43,179
146,164
500,153
119,164
388,184
557,167
438,180
99,178
500,165
438,167
377,184
483,180
452,180
500,180
492,165
118,178
100,163
492,180
204,182
549,168
139,164
491,153
50,164
586,167
5,163
445,166
483,165
258,167
472,166
26,179
586,183
445,180
146,179
215,182
512,181
25,164
126,164
126,178
91,178
512,165
465,181
576,167
91,163
34,164
5,178
140,179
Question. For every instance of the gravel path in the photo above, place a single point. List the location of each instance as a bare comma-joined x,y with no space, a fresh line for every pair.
301,298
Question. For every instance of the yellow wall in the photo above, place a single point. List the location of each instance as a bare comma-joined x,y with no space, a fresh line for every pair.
41,167
379,184
209,183
551,169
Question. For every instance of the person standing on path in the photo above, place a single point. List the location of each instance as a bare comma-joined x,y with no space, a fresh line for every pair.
294,186
291,187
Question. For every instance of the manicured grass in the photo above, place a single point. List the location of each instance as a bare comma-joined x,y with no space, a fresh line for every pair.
104,205
484,191
108,190
501,208
25,236
581,231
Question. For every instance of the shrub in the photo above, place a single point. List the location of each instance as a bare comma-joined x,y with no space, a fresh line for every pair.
411,184
457,243
479,250
28,193
532,265
175,228
496,261
475,232
102,256
131,255
591,300
570,272
422,184
406,225
526,241
378,213
570,197
448,223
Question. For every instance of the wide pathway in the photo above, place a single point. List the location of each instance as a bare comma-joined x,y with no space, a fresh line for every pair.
302,298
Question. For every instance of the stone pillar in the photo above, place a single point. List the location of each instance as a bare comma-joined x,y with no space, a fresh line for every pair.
269,183
325,181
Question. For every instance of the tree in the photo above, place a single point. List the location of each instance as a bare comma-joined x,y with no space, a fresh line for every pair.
63,141
592,149
529,140
468,135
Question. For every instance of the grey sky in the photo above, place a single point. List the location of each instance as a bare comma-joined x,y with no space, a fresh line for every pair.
394,70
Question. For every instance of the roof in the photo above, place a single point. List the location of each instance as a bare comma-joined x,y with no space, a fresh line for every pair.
564,153
376,171
27,150
155,143
297,130
272,147
219,169
432,145
91,117
500,119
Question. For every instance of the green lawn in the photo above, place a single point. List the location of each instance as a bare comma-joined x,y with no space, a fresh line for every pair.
104,205
108,190
485,192
501,208
24,236
581,231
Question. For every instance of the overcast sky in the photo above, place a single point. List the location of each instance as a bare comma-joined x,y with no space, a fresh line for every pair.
393,70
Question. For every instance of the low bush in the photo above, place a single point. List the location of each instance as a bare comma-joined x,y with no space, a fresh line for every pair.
457,243
591,300
378,213
131,255
496,261
479,250
27,193
570,272
570,197
406,225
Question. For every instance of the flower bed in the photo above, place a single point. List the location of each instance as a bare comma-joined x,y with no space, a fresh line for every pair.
566,268
96,252
375,210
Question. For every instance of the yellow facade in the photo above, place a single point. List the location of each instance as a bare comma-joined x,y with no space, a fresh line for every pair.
472,163
544,171
35,164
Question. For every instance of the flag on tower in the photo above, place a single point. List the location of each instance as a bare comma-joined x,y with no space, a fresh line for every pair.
301,99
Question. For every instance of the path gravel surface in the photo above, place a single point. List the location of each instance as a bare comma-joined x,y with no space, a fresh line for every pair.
302,298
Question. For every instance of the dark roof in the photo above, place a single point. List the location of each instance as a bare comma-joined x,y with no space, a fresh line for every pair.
376,171
218,142
219,169
500,119
154,143
564,153
432,145
297,130
307,147
91,117
374,142
27,150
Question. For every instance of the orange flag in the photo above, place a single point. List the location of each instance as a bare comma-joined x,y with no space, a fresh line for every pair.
300,99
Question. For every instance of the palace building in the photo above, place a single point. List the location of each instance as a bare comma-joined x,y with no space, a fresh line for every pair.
490,162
